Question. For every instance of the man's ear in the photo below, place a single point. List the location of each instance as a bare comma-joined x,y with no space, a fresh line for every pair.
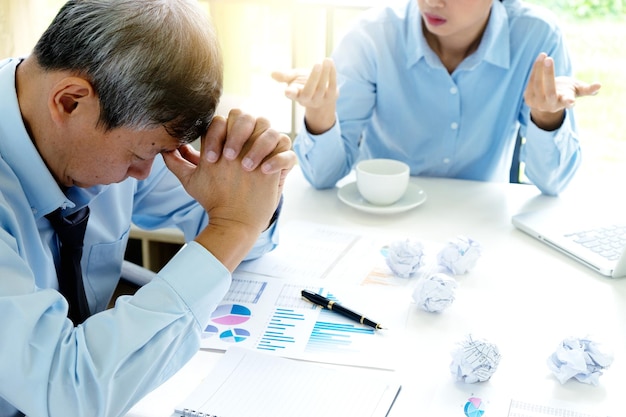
68,95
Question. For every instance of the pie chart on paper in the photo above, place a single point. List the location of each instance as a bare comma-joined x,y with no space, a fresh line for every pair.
474,407
234,335
231,314
209,331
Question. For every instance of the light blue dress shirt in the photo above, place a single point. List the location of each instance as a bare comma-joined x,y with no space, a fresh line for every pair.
398,101
103,367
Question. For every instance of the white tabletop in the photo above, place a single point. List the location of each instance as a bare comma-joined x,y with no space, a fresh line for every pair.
522,296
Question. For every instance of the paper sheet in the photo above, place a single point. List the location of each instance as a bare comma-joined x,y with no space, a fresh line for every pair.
249,383
311,251
268,314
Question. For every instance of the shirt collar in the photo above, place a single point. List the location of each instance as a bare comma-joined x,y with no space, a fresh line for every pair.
494,46
18,151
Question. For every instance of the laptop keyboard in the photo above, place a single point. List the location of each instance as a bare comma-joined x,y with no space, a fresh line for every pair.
608,242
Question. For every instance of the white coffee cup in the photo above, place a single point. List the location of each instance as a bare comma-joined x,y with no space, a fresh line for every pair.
382,181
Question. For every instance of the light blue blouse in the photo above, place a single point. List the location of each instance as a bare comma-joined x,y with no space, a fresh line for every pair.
104,366
398,101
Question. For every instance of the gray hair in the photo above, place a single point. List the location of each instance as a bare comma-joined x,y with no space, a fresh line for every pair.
151,62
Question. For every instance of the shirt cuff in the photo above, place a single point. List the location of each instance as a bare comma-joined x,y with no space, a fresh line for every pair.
545,140
199,279
323,142
322,157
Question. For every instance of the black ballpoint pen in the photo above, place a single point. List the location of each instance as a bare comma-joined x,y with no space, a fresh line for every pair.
338,308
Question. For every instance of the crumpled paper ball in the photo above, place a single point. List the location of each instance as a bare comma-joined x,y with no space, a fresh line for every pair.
474,360
435,293
459,255
582,359
404,257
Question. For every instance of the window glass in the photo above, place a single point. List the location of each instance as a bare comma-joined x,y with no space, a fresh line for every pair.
593,31
259,37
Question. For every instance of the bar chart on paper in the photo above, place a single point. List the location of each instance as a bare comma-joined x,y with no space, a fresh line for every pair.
329,336
269,315
526,409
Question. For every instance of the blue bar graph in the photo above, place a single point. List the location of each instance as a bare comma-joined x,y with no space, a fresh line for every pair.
331,337
276,335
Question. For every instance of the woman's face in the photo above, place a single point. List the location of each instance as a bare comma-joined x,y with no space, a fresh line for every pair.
456,20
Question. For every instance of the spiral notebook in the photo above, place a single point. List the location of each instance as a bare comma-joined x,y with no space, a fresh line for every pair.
248,383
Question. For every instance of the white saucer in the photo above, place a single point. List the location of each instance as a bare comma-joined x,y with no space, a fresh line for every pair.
413,197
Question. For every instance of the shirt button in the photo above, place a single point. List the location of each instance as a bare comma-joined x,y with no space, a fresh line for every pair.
453,90
446,160
454,125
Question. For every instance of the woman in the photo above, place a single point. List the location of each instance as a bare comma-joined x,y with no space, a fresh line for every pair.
444,85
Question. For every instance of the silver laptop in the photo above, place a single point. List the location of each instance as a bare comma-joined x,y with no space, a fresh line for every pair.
599,243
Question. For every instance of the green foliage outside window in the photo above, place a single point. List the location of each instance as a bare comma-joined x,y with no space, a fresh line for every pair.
586,9
594,30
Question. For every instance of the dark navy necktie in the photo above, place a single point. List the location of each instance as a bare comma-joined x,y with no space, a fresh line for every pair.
70,232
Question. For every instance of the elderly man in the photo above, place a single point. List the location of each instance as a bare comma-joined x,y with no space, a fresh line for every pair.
95,128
